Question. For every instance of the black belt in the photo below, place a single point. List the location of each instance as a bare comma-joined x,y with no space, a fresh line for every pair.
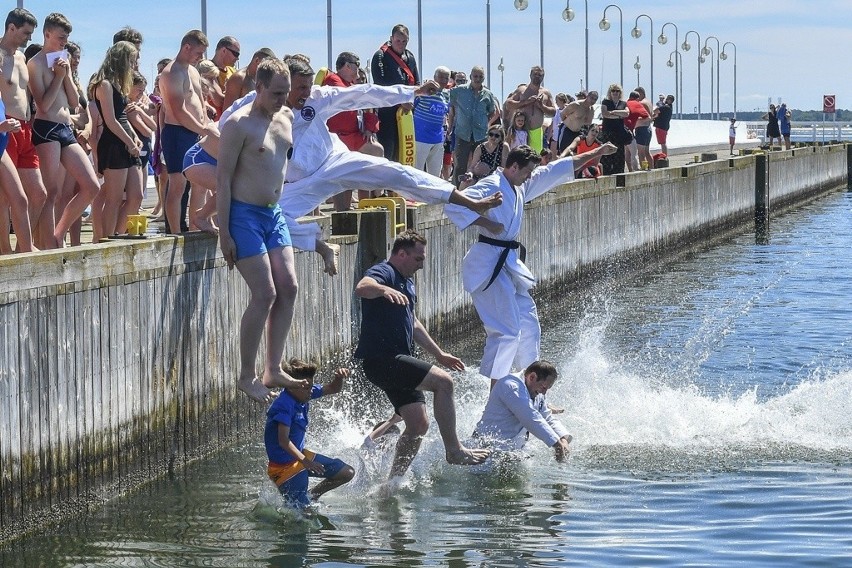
506,246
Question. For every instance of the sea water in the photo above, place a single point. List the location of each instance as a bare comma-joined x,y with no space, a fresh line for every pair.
708,395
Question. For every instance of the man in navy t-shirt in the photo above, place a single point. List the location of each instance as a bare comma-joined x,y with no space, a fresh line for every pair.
389,330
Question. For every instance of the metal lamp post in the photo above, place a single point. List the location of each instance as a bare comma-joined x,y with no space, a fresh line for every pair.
501,68
637,33
662,40
707,51
637,66
723,56
568,15
523,5
604,25
488,39
678,73
686,47
704,54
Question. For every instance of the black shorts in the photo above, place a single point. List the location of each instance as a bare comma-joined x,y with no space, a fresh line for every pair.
398,377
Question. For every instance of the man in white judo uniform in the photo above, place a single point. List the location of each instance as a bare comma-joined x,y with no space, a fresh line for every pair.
322,166
493,270
517,407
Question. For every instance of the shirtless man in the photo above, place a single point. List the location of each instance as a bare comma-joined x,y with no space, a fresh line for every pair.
536,102
241,83
185,122
642,132
253,234
56,96
14,79
576,116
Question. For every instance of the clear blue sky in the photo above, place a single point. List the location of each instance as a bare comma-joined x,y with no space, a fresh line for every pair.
792,50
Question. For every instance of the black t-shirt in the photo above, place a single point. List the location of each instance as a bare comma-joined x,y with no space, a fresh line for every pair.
664,117
387,329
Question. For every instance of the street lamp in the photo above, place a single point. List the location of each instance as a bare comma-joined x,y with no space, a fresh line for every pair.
568,15
678,57
718,55
523,5
637,33
328,31
501,68
604,25
723,56
637,66
488,38
686,47
708,52
662,40
203,14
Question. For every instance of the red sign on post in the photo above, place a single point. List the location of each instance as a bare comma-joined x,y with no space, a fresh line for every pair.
828,104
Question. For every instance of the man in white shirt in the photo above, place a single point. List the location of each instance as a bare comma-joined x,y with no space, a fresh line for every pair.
517,407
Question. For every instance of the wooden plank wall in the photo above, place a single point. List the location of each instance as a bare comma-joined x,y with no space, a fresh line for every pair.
118,361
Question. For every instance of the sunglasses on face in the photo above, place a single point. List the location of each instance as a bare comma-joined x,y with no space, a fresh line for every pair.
495,135
234,52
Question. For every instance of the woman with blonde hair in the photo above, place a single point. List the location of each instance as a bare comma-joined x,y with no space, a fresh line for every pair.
118,146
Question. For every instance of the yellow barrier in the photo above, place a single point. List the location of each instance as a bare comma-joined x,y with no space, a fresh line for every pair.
396,210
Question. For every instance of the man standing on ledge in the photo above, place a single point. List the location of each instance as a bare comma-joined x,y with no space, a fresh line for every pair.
392,65
389,330
536,102
493,270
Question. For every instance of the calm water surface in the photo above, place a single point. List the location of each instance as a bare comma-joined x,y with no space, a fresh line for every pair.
709,400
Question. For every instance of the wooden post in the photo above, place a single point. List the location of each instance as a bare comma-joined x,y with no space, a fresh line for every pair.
761,193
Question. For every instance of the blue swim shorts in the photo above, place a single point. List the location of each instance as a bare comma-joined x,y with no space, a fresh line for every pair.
295,489
176,140
197,155
257,229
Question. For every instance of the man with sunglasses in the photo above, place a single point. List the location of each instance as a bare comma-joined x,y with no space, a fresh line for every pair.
226,56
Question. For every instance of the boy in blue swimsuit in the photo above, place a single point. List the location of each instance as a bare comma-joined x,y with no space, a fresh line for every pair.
290,464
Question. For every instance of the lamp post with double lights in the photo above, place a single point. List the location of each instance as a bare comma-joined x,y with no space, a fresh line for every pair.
686,47
604,25
723,56
707,51
704,54
637,33
662,40
678,57
568,15
523,5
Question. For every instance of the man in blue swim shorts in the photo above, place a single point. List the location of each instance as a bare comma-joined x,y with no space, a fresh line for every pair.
185,121
252,232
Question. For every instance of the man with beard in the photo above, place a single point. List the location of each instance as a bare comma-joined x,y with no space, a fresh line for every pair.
536,102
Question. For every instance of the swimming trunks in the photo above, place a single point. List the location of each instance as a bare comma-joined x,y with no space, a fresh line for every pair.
536,139
292,478
398,376
21,148
45,131
176,141
643,135
257,229
195,156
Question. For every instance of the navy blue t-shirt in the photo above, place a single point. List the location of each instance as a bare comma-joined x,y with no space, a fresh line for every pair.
387,329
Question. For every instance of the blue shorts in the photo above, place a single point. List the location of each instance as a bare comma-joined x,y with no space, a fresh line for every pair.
197,155
643,135
257,229
176,141
295,489
45,131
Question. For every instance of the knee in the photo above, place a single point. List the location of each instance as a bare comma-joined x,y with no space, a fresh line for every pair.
443,382
346,474
264,296
416,428
288,289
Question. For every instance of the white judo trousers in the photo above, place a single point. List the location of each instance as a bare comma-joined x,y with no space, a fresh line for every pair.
505,307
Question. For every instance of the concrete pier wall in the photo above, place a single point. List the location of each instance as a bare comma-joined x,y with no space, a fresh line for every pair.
118,361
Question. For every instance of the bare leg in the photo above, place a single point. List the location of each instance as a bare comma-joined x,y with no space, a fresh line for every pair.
10,185
197,199
36,196
416,426
5,242
345,475
113,191
174,194
342,201
77,165
203,176
49,165
441,384
283,270
257,273
133,201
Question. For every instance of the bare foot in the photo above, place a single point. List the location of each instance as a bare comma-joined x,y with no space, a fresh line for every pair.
330,254
467,456
487,203
280,379
255,389
206,225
